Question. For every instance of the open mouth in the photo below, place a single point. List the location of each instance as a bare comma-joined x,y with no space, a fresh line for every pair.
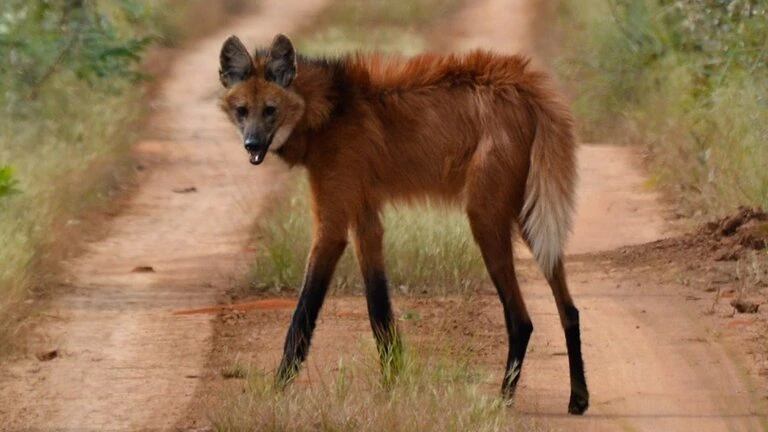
257,156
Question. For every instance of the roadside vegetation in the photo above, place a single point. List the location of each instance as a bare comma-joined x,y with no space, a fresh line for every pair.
69,107
686,79
66,69
428,247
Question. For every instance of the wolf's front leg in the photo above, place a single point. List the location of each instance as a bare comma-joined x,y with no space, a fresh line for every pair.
325,253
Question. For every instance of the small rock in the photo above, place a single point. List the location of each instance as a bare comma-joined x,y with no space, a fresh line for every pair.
143,269
47,355
744,306
730,225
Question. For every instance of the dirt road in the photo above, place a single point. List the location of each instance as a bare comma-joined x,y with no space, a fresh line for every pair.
125,363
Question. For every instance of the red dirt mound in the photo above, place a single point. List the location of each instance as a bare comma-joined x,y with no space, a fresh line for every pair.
726,239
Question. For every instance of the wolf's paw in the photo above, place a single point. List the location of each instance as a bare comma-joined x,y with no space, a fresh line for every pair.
578,403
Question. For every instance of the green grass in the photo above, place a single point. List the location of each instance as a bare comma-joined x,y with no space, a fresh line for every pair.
428,247
431,393
62,162
381,25
687,80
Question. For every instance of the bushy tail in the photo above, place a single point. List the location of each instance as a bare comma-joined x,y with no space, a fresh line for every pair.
551,183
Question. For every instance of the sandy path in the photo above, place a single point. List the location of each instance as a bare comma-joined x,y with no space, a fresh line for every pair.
125,362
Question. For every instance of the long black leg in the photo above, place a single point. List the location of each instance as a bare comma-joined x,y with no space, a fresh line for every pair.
321,264
494,237
569,318
368,244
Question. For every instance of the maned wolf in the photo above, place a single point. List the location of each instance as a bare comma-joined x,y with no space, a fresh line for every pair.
479,129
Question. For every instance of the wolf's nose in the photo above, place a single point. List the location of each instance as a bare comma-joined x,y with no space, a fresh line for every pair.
251,143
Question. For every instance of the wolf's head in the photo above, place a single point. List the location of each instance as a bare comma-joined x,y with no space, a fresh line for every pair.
259,99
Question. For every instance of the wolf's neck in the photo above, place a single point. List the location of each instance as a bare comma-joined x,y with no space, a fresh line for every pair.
323,85
318,84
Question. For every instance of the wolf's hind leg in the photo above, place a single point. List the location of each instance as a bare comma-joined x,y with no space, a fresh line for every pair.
491,227
569,318
368,238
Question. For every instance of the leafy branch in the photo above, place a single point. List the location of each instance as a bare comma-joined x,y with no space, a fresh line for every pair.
8,184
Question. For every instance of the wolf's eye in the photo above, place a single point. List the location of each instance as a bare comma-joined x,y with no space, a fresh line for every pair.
269,111
241,112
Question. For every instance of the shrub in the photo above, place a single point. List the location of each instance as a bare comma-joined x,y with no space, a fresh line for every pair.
688,79
7,182
68,105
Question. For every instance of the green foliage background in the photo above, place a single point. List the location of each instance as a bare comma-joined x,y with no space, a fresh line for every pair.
69,75
97,42
7,182
688,79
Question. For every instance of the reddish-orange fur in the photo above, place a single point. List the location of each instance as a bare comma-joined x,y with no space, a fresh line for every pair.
479,129
416,128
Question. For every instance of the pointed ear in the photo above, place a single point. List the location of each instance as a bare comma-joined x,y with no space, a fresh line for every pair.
236,63
281,62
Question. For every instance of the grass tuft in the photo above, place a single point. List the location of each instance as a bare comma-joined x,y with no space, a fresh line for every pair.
428,394
427,248
66,156
236,370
